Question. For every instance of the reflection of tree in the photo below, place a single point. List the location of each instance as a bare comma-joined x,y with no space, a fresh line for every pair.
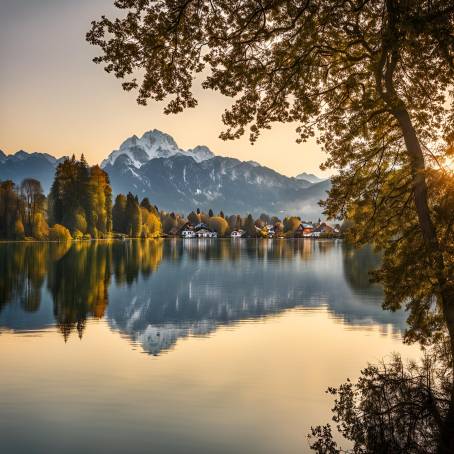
79,280
129,258
357,266
23,268
78,283
395,408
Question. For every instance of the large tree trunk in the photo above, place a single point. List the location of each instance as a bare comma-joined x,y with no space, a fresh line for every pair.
445,288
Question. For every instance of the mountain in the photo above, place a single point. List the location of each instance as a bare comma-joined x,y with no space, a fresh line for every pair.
180,180
153,144
154,166
309,177
22,165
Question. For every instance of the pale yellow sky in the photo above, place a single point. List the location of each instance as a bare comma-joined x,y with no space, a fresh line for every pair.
55,100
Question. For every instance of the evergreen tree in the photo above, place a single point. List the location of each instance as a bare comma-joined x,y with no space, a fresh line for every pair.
119,214
239,222
81,198
210,213
145,203
133,216
193,218
249,226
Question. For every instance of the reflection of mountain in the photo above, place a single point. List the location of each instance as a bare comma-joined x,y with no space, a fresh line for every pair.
214,283
156,292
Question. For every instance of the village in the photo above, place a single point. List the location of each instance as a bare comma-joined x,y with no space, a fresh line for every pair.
304,230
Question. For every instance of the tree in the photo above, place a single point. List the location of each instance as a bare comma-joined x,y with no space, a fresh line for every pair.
393,408
232,221
34,200
119,214
218,224
239,222
265,218
99,202
133,216
210,213
19,231
291,223
193,218
40,228
81,198
11,209
151,224
249,226
59,233
145,203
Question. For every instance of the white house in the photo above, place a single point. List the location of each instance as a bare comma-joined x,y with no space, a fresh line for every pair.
237,234
187,233
205,233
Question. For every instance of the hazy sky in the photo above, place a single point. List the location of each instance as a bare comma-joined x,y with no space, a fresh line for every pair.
54,99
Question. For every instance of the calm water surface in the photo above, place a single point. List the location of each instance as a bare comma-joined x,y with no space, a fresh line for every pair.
195,346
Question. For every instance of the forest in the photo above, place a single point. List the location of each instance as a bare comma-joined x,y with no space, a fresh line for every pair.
80,207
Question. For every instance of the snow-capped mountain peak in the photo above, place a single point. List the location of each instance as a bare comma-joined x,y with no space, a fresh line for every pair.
153,144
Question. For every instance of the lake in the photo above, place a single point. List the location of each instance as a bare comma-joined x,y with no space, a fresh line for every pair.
182,346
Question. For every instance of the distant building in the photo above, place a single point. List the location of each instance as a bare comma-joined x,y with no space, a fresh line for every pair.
237,233
266,232
304,230
187,233
205,233
323,229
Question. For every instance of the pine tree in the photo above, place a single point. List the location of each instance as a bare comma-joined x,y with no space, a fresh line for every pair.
145,203
249,226
133,216
119,214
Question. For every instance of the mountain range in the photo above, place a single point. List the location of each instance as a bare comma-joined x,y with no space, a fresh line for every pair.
180,180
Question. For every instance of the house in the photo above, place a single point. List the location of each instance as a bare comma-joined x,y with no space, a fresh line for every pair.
201,225
187,231
323,229
237,233
304,230
266,232
205,233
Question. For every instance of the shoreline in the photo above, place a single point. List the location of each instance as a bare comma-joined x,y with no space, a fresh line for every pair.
164,238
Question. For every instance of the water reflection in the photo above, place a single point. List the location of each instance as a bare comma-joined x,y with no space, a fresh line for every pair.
156,292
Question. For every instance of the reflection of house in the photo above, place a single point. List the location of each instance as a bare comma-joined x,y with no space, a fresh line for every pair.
237,233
